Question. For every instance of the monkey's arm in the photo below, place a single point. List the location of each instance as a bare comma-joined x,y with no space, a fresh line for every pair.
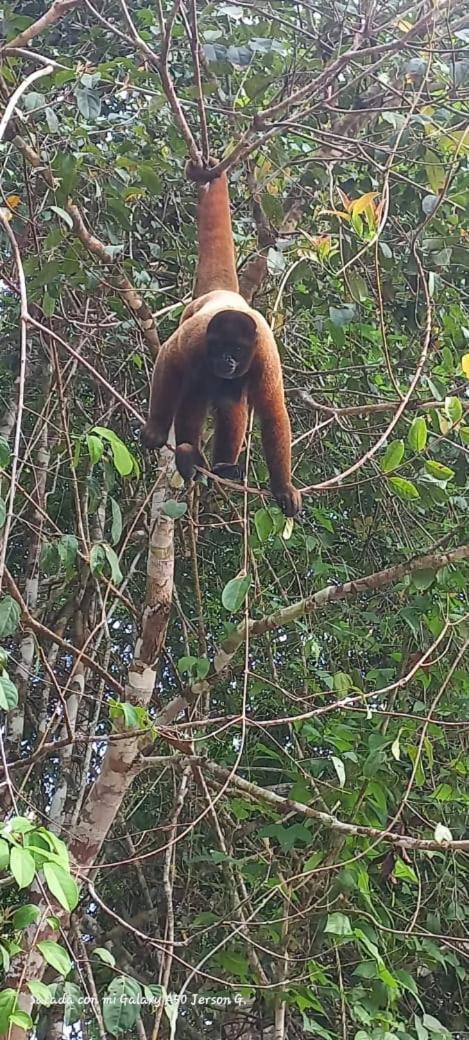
166,391
269,405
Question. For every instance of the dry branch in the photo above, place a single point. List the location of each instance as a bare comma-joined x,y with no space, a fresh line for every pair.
56,11
333,594
288,805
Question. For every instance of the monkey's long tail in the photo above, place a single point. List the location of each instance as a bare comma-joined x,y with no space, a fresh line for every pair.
216,267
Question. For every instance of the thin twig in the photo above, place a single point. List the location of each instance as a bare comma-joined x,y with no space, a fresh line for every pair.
20,90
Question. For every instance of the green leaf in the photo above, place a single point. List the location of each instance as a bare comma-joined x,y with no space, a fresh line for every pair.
264,524
416,760
393,456
41,993
48,305
150,178
453,409
202,667
8,693
342,315
62,885
112,559
424,578
121,1005
134,717
22,866
288,528
97,558
67,548
9,616
95,448
21,1019
396,748
438,471
34,100
5,451
174,509
3,512
26,915
369,945
444,793
20,825
52,120
342,683
435,1026
404,488
235,592
340,769
56,956
358,287
8,1001
186,664
105,956
123,460
405,981
435,171
198,666
338,924
62,213
116,526
403,870
417,436
88,102
4,854
442,258
309,1025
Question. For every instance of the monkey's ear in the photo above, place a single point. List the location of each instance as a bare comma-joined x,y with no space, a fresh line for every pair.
233,326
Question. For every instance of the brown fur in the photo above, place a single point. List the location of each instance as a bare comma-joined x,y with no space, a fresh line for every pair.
184,385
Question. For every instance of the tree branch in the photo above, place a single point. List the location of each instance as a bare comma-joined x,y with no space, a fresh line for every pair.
333,594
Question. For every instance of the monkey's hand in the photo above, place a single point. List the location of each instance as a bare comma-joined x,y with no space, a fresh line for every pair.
153,436
289,499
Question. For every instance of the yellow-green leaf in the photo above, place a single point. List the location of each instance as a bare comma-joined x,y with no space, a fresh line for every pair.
417,435
393,456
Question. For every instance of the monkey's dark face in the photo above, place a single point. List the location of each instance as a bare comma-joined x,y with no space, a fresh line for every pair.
231,343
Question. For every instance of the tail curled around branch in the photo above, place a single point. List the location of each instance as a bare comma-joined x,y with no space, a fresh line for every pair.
216,267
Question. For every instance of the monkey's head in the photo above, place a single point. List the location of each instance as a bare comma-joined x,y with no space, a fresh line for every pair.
231,343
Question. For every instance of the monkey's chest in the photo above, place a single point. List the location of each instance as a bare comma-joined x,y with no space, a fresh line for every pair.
225,391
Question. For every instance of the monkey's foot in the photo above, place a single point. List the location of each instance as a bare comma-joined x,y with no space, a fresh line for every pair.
187,458
228,471
289,499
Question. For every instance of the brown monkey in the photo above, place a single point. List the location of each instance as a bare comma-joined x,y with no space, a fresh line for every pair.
223,356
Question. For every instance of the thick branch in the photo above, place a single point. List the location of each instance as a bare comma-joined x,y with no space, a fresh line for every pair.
288,805
332,594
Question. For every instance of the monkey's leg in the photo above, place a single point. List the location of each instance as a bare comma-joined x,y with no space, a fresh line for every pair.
166,389
230,430
188,427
